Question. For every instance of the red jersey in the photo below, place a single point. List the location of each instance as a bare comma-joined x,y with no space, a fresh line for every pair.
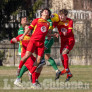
40,27
25,41
66,26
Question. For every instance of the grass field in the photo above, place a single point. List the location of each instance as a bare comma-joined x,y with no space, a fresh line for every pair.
81,81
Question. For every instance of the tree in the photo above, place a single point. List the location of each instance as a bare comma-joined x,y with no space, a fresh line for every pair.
13,7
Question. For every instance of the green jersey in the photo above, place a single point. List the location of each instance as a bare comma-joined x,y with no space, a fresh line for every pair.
49,43
50,27
20,31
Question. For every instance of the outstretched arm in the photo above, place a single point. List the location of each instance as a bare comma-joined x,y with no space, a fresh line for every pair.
34,22
26,31
50,34
15,40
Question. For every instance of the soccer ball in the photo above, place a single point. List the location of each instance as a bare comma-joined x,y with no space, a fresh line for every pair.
54,17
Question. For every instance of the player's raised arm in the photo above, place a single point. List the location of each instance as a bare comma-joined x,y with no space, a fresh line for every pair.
34,22
15,40
26,31
54,35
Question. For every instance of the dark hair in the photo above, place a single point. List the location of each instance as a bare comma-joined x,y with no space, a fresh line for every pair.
64,11
23,17
47,10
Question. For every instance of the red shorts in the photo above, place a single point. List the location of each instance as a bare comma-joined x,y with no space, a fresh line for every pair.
36,45
67,44
29,62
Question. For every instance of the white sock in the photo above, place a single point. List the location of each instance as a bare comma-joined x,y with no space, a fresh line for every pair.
30,73
57,71
18,79
34,84
66,69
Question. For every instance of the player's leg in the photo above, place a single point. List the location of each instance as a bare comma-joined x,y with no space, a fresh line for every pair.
20,57
68,47
51,61
29,65
69,75
30,49
38,72
53,64
40,53
36,63
35,77
17,82
65,53
64,59
66,64
24,58
22,71
48,44
42,63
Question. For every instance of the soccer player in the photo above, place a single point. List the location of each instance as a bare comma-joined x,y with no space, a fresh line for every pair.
21,31
65,29
29,63
48,43
40,26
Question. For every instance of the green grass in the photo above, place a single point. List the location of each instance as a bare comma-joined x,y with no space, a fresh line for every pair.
82,75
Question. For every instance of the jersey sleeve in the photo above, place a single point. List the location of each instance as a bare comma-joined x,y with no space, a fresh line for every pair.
70,27
18,37
70,24
34,22
11,41
51,25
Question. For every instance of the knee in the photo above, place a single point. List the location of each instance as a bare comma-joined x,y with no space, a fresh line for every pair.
47,56
27,55
64,52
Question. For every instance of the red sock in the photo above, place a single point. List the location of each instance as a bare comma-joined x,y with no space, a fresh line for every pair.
63,72
37,75
21,64
65,56
66,71
63,63
34,77
33,69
